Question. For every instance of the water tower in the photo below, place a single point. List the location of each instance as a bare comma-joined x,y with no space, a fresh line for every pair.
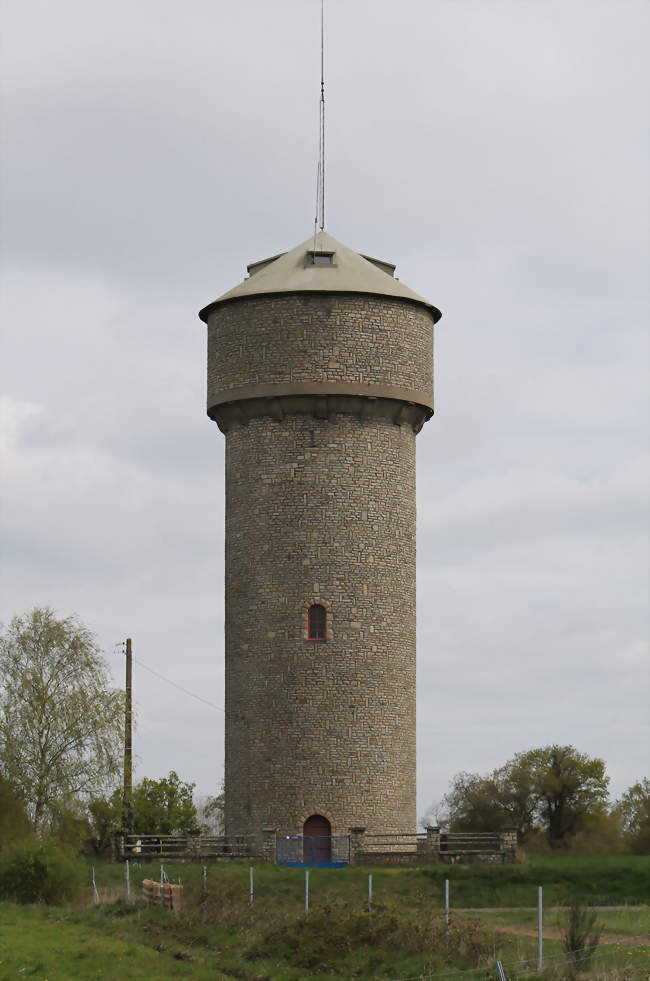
320,375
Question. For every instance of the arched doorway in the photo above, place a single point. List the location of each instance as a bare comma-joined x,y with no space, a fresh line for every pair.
318,830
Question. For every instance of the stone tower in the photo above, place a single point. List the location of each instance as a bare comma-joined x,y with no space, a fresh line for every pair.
320,374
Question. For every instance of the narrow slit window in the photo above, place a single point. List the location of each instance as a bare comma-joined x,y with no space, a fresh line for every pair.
323,258
316,622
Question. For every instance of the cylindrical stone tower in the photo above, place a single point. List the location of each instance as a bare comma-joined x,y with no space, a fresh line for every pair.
320,373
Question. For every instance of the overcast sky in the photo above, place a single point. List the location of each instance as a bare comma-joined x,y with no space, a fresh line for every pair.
497,151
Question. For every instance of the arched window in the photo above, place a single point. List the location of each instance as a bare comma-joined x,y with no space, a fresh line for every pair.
316,620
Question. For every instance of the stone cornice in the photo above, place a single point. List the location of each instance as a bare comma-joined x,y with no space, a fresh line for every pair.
321,399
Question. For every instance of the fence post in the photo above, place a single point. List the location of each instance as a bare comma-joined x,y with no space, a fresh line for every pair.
306,894
128,880
356,844
447,905
268,845
162,885
250,888
432,844
508,844
539,928
370,896
95,893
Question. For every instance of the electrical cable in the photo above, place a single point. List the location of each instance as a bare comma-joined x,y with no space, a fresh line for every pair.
180,687
174,684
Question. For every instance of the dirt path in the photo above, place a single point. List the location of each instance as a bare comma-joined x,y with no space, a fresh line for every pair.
554,933
548,909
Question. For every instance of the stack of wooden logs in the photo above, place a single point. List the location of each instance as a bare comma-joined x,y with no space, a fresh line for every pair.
172,896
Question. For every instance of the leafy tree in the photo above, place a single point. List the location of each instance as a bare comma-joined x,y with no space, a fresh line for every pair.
14,821
210,812
554,788
163,806
634,808
61,722
105,818
567,787
503,799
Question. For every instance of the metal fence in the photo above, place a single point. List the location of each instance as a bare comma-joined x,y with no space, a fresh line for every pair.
451,847
147,847
470,843
318,851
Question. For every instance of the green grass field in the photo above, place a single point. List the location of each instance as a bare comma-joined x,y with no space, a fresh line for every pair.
594,880
215,937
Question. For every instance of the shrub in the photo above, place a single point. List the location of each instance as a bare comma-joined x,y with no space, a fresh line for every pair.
39,872
14,821
580,938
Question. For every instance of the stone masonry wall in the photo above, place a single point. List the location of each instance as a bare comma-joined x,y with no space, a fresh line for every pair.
337,337
320,508
320,511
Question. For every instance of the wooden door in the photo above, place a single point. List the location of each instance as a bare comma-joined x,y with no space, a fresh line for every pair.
318,829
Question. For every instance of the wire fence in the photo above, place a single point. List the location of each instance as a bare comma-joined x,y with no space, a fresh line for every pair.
607,962
568,963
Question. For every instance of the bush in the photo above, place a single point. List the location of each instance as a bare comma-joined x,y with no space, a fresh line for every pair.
580,938
14,821
39,872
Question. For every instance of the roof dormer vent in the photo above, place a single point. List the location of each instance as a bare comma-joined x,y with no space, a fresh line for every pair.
317,258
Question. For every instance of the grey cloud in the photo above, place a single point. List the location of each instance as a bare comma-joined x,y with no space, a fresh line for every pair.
496,153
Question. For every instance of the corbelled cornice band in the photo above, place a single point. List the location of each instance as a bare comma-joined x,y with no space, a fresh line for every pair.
321,399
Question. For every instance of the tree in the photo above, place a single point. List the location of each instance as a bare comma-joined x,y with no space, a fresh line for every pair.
14,822
554,788
61,722
567,787
210,812
104,820
634,807
163,806
500,800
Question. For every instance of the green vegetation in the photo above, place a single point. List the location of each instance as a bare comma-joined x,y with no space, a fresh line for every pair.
215,936
14,820
60,721
160,807
553,788
39,872
634,809
597,880
556,798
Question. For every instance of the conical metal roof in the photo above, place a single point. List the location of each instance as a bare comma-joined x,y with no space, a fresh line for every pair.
321,264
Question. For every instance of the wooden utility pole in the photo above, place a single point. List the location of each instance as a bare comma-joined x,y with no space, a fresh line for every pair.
127,809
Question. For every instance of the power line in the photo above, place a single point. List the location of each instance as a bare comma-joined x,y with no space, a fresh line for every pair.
162,677
180,687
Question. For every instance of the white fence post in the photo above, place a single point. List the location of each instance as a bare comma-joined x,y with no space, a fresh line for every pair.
95,893
447,905
162,885
369,895
539,928
128,880
306,894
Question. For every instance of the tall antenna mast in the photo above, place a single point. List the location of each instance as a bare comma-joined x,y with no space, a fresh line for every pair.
319,219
